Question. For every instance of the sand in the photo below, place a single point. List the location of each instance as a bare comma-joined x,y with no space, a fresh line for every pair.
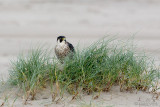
27,23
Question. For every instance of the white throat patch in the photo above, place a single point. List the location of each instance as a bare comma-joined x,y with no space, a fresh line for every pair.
61,46
61,43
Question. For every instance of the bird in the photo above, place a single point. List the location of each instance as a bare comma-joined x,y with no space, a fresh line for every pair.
63,49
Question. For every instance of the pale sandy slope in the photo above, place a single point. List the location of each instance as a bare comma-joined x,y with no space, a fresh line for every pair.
30,22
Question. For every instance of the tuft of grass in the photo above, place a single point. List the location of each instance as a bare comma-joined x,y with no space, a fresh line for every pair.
30,72
102,65
93,69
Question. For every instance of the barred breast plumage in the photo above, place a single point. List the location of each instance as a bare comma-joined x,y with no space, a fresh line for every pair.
62,50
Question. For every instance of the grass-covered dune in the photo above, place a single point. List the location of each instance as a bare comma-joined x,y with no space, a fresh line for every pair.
95,68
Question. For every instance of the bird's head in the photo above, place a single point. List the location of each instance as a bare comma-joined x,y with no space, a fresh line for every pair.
61,39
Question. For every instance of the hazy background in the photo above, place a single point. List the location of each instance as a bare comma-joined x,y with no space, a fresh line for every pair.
24,23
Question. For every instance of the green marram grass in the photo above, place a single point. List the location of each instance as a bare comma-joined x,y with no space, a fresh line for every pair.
93,69
30,72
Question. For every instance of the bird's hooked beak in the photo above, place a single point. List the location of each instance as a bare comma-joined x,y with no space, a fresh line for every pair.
64,39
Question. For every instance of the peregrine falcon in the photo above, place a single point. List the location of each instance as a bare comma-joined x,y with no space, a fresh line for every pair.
63,48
